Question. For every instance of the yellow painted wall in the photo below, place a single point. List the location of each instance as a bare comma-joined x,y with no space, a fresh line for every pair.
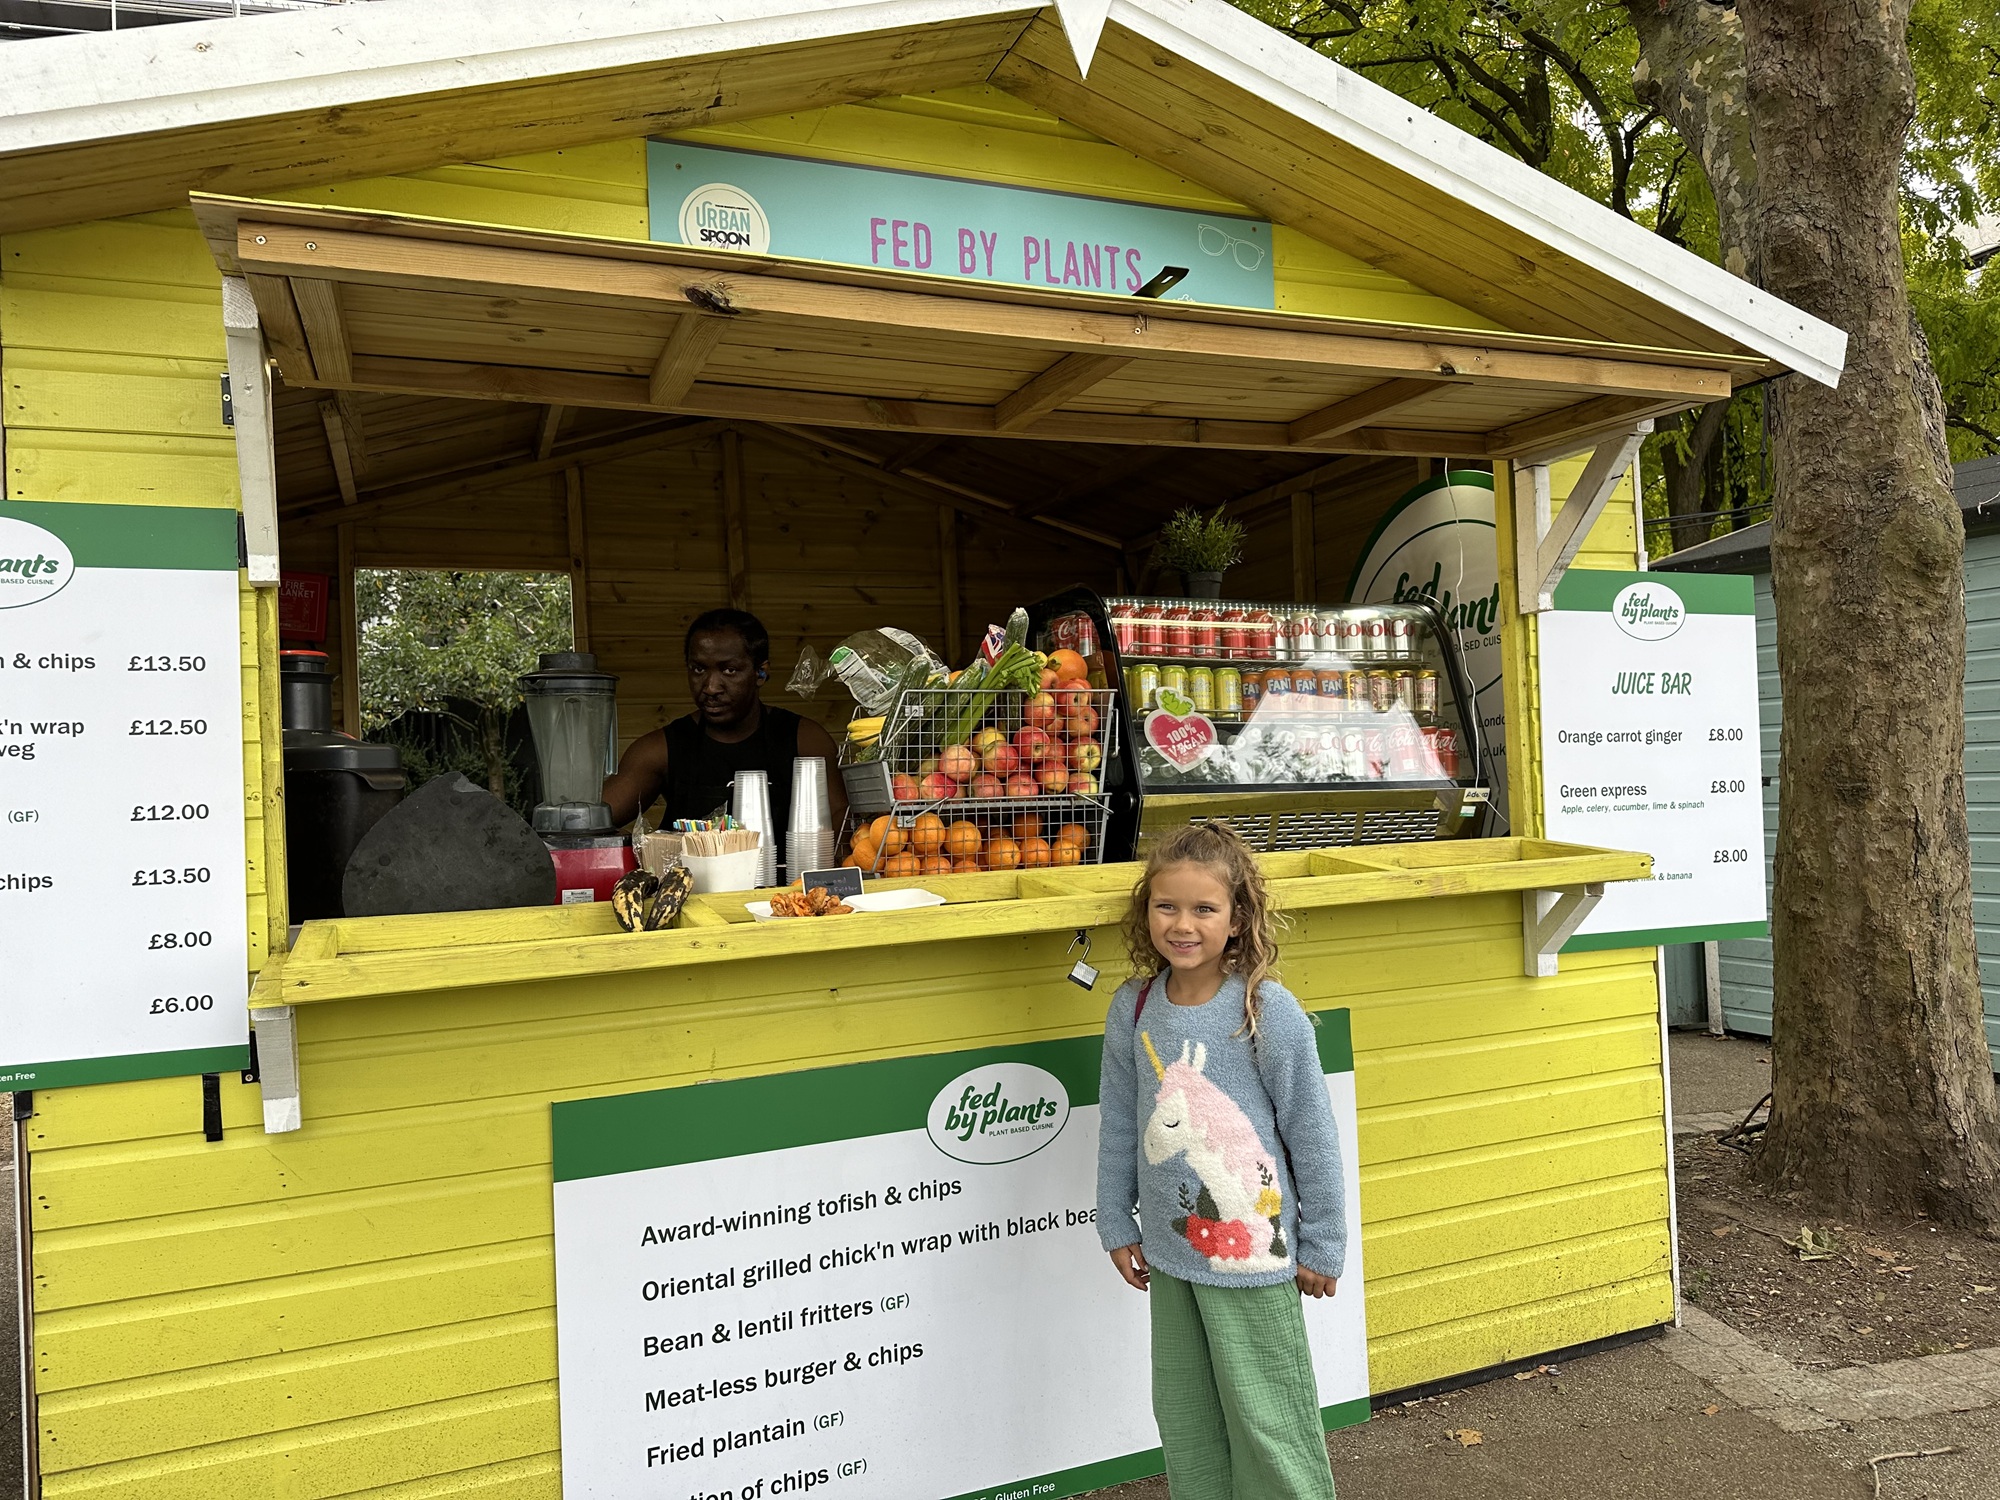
367,1306
111,358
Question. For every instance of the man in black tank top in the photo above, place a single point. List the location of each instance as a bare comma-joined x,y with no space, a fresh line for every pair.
692,762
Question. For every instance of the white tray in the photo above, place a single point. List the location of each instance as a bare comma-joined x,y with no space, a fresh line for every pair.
908,900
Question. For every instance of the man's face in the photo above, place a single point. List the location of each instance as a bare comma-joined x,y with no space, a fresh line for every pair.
722,677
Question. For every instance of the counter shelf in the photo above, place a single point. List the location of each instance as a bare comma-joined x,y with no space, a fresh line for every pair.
353,958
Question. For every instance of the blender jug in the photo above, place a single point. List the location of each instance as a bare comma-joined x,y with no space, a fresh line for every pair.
573,715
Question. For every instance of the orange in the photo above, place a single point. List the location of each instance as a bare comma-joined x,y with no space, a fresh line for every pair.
1002,854
1028,826
1036,854
962,840
1068,665
865,851
1073,833
884,833
936,864
927,833
1067,853
905,863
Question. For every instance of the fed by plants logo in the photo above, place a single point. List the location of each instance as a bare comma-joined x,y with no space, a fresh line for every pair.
721,216
1648,611
1001,1112
34,564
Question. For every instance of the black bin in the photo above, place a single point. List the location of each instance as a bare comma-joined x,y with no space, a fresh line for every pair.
336,787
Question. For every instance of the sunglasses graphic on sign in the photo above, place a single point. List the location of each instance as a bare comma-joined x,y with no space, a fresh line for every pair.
1215,241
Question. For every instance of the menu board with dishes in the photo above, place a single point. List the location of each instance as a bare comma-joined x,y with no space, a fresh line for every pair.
122,879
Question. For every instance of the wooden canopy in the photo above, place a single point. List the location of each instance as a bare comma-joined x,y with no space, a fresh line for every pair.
369,301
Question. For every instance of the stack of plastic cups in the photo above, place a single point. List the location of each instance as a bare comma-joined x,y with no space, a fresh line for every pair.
809,841
752,808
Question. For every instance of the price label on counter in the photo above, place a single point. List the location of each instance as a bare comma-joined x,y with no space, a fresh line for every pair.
1650,742
882,1281
121,795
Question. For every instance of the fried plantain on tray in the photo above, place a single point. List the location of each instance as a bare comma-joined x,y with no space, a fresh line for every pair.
813,903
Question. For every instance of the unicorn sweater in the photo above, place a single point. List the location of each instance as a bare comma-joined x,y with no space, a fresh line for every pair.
1193,1116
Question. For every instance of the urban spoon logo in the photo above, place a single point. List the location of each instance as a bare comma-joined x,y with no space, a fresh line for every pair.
1648,611
34,564
1001,1112
721,216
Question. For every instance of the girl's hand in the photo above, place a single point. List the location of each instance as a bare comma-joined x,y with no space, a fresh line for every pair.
1311,1283
1131,1263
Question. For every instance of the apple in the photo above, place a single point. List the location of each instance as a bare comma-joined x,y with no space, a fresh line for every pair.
1082,784
1049,678
1071,697
1041,711
903,787
984,741
938,787
1023,785
1002,759
926,766
986,784
1055,779
1032,743
958,762
1081,723
1087,756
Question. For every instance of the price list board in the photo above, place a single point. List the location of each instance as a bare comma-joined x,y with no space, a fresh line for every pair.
882,1280
1650,742
122,887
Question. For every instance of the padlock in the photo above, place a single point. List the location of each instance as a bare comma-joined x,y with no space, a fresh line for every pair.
1083,975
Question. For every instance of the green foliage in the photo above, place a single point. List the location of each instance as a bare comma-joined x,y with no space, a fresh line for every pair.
1195,543
452,644
1959,308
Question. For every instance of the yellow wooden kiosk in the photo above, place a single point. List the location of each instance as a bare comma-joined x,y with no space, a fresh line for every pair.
418,240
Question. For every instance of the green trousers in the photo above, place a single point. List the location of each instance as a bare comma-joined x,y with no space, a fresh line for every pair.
1234,1395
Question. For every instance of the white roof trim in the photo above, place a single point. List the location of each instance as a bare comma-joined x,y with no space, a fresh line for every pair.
152,79
1234,46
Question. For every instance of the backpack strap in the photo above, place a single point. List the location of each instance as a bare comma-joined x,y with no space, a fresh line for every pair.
1140,1009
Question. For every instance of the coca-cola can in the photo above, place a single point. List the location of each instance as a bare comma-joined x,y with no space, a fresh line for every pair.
1231,642
1176,630
1149,630
1374,637
1124,628
1442,741
1406,751
1376,744
1347,636
1381,691
1402,635
1260,631
1406,690
1201,631
1354,754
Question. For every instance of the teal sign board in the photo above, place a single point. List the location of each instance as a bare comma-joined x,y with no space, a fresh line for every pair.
944,226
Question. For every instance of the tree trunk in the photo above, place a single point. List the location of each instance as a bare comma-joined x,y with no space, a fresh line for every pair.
1884,1090
1688,480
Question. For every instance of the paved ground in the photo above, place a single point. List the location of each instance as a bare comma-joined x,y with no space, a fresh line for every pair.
1716,1078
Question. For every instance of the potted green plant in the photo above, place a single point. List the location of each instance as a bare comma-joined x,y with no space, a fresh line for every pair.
1201,546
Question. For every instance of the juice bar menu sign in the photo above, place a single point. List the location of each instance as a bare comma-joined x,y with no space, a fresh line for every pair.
718,199
1650,742
121,795
882,1281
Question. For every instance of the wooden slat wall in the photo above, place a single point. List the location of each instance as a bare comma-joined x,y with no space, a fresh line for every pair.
111,358
368,1306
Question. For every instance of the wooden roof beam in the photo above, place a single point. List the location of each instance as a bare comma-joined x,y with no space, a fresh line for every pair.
370,505
545,439
337,449
1121,470
667,279
743,403
326,336
1061,382
688,347
1323,427
988,508
1571,429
